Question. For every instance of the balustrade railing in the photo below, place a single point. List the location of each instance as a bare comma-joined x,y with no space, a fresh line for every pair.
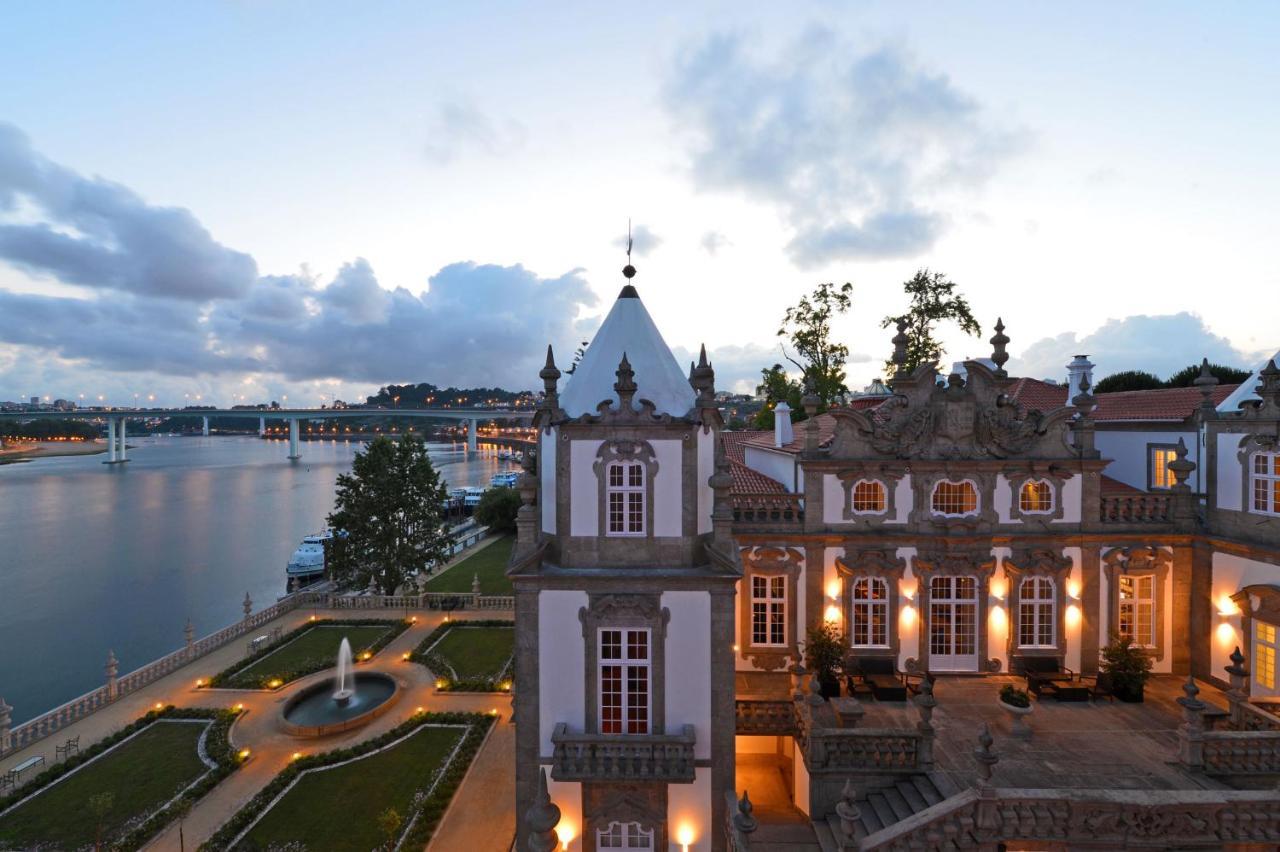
1136,508
862,749
765,716
770,509
634,757
1251,717
1241,752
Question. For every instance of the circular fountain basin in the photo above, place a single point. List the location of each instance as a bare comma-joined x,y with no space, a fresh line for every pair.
314,712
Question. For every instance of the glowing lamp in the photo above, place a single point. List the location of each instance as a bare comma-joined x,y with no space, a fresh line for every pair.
998,617
275,683
999,588
684,836
493,712
833,589
296,755
405,656
199,682
1073,588
736,649
159,705
366,655
421,710
441,683
1073,615
908,616
239,708
413,620
908,589
1226,633
1226,606
832,614
313,618
565,834
244,754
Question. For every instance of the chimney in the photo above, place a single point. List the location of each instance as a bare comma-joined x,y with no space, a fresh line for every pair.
1077,371
782,434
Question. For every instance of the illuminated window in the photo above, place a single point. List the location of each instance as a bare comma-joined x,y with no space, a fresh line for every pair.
1266,483
624,681
870,626
1264,655
1037,606
955,498
624,492
1035,497
1161,476
768,610
869,496
1138,608
624,835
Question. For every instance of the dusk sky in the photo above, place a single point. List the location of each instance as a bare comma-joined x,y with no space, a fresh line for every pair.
309,199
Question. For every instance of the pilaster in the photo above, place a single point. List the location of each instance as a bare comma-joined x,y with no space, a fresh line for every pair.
1091,605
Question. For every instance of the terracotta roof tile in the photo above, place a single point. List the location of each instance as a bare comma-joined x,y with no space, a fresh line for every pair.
1115,486
1164,404
826,431
748,481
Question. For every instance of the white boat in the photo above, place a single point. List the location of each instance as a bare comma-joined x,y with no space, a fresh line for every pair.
505,479
504,454
306,566
473,495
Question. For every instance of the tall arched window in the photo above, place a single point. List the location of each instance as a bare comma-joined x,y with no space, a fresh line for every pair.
624,835
1266,484
955,498
869,496
870,627
624,495
1037,613
1035,497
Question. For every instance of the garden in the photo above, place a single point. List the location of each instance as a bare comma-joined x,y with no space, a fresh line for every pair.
469,656
489,564
311,648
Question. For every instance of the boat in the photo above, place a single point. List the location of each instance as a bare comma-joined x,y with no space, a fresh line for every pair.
473,495
306,566
504,454
505,479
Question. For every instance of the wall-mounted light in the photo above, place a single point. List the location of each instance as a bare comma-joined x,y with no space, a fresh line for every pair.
832,614
999,588
908,588
908,616
833,589
566,835
1073,615
1226,634
998,617
1073,588
1226,606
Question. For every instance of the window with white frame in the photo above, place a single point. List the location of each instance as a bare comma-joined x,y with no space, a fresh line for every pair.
624,495
870,622
869,496
1264,655
624,835
1035,497
768,610
1037,613
1138,608
624,680
955,498
1161,476
1265,477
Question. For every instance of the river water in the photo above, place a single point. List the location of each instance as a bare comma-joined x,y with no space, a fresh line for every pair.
96,557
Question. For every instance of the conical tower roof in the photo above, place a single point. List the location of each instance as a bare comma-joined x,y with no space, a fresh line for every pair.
1248,390
628,329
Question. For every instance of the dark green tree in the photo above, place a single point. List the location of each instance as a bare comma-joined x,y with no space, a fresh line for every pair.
497,509
934,299
808,326
1128,380
775,387
1186,377
390,507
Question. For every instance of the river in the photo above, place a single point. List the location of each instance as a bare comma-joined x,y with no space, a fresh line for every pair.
96,557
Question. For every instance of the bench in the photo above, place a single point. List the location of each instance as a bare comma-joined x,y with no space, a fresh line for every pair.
1048,675
72,745
880,675
14,775
257,642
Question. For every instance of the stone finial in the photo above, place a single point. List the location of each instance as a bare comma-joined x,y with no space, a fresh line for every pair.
527,515
847,809
475,584
625,386
925,702
703,378
111,668
1237,670
549,374
1181,468
998,353
986,758
1188,700
189,633
542,817
743,820
815,692
247,605
1206,382
900,341
1269,388
797,673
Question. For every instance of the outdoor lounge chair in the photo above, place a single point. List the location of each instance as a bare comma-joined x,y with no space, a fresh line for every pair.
1048,675
880,674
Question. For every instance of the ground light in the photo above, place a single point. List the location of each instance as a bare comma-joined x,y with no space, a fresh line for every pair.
565,833
244,754
684,836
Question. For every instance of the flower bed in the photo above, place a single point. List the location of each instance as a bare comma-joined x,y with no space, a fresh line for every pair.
494,654
249,673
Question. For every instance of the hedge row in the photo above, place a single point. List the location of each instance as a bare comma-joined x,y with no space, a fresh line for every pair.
438,665
217,747
227,677
428,814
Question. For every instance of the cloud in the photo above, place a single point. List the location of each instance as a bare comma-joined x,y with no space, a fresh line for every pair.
457,129
1156,344
643,241
713,241
738,366
98,234
853,147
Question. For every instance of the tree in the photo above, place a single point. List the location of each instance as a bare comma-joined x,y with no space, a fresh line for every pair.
808,326
1186,377
497,509
933,300
1128,380
775,387
389,822
390,507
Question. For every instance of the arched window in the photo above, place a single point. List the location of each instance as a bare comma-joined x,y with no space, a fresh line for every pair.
870,627
1266,484
624,835
955,498
1037,613
869,496
624,495
1035,497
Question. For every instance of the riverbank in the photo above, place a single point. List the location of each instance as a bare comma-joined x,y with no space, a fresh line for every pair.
27,450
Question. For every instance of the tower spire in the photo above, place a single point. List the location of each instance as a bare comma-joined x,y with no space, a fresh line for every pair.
628,271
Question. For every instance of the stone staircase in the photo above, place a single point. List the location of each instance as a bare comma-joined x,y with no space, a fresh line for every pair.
885,806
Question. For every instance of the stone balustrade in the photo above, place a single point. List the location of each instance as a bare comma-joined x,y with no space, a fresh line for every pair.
739,823
636,757
765,716
768,509
1241,752
862,750
1136,508
1251,717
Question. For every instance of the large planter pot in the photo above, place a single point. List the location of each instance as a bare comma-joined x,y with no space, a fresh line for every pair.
1017,715
829,687
1129,693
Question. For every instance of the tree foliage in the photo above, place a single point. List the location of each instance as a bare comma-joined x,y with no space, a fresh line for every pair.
1128,380
1186,377
934,299
497,509
775,387
808,326
390,507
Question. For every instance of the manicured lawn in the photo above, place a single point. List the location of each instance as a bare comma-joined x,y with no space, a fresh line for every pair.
490,563
141,775
477,652
318,643
337,809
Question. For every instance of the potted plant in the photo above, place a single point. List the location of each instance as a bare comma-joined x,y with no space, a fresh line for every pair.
1126,667
1017,703
823,656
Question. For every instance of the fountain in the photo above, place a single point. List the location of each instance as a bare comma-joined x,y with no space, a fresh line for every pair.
350,700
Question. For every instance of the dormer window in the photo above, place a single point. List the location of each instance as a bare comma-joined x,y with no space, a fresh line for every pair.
869,497
955,498
1265,487
1035,497
625,498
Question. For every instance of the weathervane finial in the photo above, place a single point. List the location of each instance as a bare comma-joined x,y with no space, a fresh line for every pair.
628,271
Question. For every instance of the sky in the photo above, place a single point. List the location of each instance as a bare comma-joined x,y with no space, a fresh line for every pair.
245,201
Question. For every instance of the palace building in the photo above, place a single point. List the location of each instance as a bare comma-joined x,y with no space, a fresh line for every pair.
967,531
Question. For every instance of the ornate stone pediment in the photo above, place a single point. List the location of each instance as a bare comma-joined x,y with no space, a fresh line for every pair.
977,561
1038,560
1138,559
965,419
873,563
784,560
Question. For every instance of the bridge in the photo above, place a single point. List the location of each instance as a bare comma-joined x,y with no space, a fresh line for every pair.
116,418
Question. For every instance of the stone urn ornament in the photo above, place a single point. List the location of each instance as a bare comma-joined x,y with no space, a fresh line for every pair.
1017,703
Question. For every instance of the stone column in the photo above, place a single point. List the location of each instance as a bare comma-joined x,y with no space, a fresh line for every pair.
1180,575
1191,732
471,437
1090,607
6,741
111,440
723,708
123,454
1202,610
294,451
526,710
112,668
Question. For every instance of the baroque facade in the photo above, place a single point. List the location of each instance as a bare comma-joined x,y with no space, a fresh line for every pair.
969,524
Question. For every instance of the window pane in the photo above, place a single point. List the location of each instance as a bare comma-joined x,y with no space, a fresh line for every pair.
758,586
778,586
636,476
